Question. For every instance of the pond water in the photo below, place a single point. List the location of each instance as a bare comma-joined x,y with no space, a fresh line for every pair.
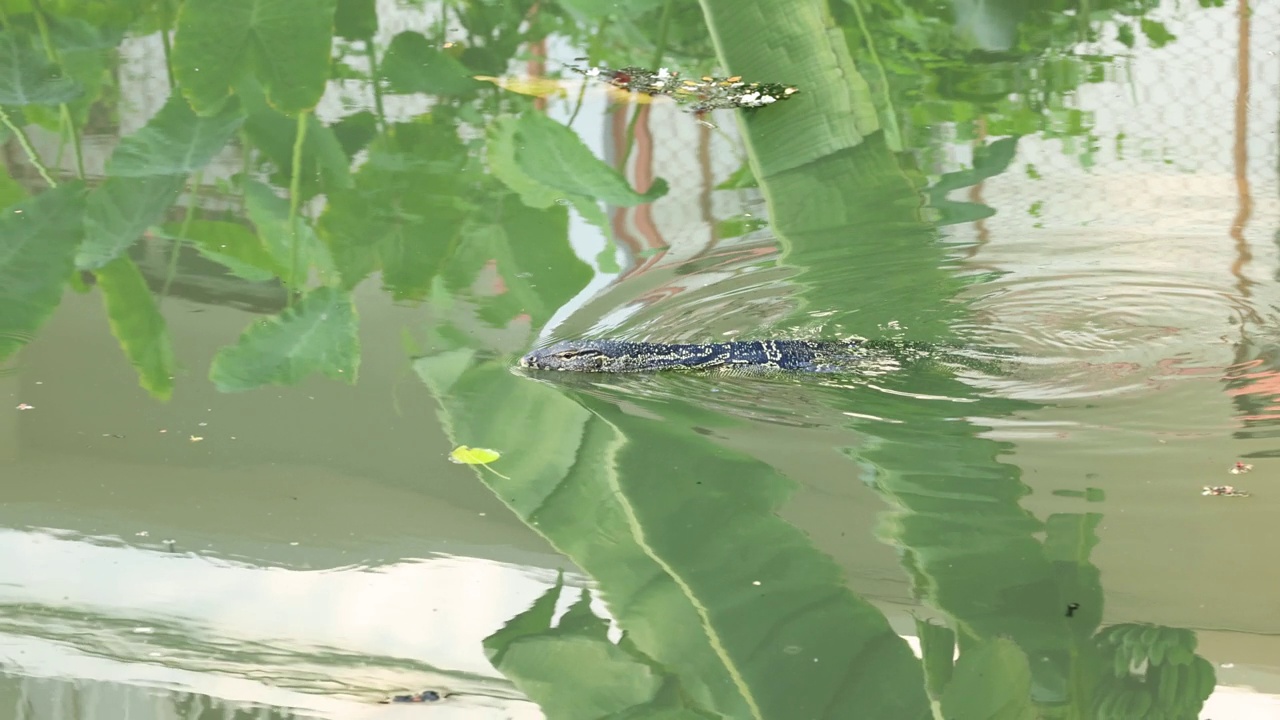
266,270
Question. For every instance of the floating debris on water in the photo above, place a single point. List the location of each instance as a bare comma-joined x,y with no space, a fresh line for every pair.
424,696
1224,491
701,95
1240,468
24,406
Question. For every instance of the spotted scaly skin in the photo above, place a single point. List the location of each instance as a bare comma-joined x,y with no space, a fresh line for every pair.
613,356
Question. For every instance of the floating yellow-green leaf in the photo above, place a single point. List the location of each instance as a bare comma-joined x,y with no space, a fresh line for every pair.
464,455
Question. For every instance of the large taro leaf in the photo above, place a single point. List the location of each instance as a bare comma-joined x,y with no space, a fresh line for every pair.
405,211
230,244
119,210
413,64
533,270
318,334
356,19
992,681
550,154
575,672
291,242
38,241
28,78
685,545
138,326
285,42
175,141
325,165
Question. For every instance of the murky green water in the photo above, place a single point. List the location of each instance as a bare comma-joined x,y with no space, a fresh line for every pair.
265,266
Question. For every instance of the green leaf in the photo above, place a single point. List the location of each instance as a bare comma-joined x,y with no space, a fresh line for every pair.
533,270
270,214
992,682
318,334
464,455
138,325
28,78
741,178
174,141
574,672
356,19
119,210
937,649
406,210
701,573
286,42
38,240
355,131
325,164
500,151
1157,34
794,42
551,154
233,245
11,191
1124,33
413,64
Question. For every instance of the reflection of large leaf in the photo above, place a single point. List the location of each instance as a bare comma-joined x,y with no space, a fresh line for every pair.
318,334
356,19
500,150
174,141
405,211
285,41
231,244
28,78
537,271
38,240
685,545
138,326
285,242
992,682
551,154
574,672
988,161
325,166
119,211
414,64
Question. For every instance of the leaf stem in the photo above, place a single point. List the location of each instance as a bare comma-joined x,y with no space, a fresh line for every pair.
295,198
166,20
25,142
660,49
192,206
372,52
64,110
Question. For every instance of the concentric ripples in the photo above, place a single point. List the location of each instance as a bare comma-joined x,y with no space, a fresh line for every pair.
1105,333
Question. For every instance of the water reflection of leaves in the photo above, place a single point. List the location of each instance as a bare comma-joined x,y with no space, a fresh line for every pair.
286,44
610,679
27,77
698,570
138,326
317,334
40,240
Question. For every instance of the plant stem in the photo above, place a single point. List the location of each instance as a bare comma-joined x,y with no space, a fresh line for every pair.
25,143
192,207
165,21
295,198
372,52
64,110
660,49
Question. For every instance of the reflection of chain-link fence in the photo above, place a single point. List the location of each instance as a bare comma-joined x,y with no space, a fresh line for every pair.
1178,133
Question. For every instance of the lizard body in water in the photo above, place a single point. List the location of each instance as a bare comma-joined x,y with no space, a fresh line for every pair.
616,356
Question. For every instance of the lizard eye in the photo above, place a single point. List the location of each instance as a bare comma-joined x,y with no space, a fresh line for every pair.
568,354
